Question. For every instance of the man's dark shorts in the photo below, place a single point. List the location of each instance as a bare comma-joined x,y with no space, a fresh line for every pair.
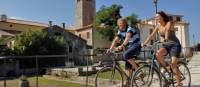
133,51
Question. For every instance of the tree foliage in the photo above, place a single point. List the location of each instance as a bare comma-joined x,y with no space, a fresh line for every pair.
4,50
106,20
2,41
132,20
39,43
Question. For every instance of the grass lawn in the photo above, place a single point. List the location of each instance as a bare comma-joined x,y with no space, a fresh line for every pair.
43,82
108,75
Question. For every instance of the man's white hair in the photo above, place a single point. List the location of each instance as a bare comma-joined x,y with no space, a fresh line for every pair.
122,19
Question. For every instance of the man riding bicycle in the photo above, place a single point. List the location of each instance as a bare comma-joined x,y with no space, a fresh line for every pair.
131,43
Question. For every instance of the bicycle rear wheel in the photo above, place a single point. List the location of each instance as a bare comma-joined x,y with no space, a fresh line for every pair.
184,74
143,77
109,77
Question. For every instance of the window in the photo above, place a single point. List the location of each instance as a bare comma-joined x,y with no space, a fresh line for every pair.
11,25
176,28
70,49
57,33
178,18
171,18
88,35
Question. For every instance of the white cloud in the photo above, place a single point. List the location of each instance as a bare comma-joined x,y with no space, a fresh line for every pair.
20,18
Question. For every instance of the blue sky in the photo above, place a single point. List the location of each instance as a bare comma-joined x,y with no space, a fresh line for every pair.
60,11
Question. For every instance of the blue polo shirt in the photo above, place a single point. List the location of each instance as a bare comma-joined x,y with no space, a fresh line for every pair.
134,38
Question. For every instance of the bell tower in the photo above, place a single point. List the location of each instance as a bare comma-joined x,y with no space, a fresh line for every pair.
84,12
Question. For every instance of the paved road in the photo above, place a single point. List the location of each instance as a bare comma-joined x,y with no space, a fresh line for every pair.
194,66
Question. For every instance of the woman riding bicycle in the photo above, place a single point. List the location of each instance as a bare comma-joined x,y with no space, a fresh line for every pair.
170,43
131,42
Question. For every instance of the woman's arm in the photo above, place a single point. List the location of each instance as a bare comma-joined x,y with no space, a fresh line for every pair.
168,27
150,37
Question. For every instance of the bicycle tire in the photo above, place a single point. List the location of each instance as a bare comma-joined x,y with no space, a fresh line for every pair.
141,75
104,77
184,74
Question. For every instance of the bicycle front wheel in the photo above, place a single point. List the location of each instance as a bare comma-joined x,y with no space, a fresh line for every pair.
109,77
184,74
145,77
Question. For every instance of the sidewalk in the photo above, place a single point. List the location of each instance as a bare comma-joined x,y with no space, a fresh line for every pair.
194,66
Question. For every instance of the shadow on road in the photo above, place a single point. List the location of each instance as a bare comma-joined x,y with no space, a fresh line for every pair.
193,86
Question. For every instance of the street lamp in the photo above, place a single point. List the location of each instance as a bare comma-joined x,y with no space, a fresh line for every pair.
155,4
156,7
155,22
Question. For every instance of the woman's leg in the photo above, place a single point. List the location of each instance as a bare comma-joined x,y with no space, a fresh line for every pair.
160,56
175,70
174,52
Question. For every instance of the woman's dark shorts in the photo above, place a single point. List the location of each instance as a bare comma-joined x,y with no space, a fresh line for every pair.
173,49
131,53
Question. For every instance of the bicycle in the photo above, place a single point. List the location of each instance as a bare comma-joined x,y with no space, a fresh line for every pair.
112,75
150,75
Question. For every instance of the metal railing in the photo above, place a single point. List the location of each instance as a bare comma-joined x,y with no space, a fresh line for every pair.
37,58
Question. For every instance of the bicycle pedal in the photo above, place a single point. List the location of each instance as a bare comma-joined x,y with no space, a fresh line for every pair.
166,84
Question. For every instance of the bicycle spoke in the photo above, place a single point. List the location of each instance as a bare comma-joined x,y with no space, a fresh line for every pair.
107,78
144,78
184,74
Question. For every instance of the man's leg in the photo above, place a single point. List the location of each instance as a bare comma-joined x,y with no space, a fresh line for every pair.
128,70
130,61
130,65
133,63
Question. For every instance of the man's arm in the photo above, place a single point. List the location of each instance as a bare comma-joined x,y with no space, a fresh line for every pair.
114,42
128,36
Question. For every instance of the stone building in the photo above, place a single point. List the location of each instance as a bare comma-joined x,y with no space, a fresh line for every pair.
75,48
10,27
85,12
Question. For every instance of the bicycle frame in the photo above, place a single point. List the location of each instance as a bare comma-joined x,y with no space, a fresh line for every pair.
116,65
156,65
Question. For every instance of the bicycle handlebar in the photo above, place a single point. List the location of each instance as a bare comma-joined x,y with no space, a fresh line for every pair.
154,44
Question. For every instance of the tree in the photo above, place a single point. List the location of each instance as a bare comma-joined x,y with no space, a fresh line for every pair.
2,41
39,43
106,20
107,17
132,20
4,50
